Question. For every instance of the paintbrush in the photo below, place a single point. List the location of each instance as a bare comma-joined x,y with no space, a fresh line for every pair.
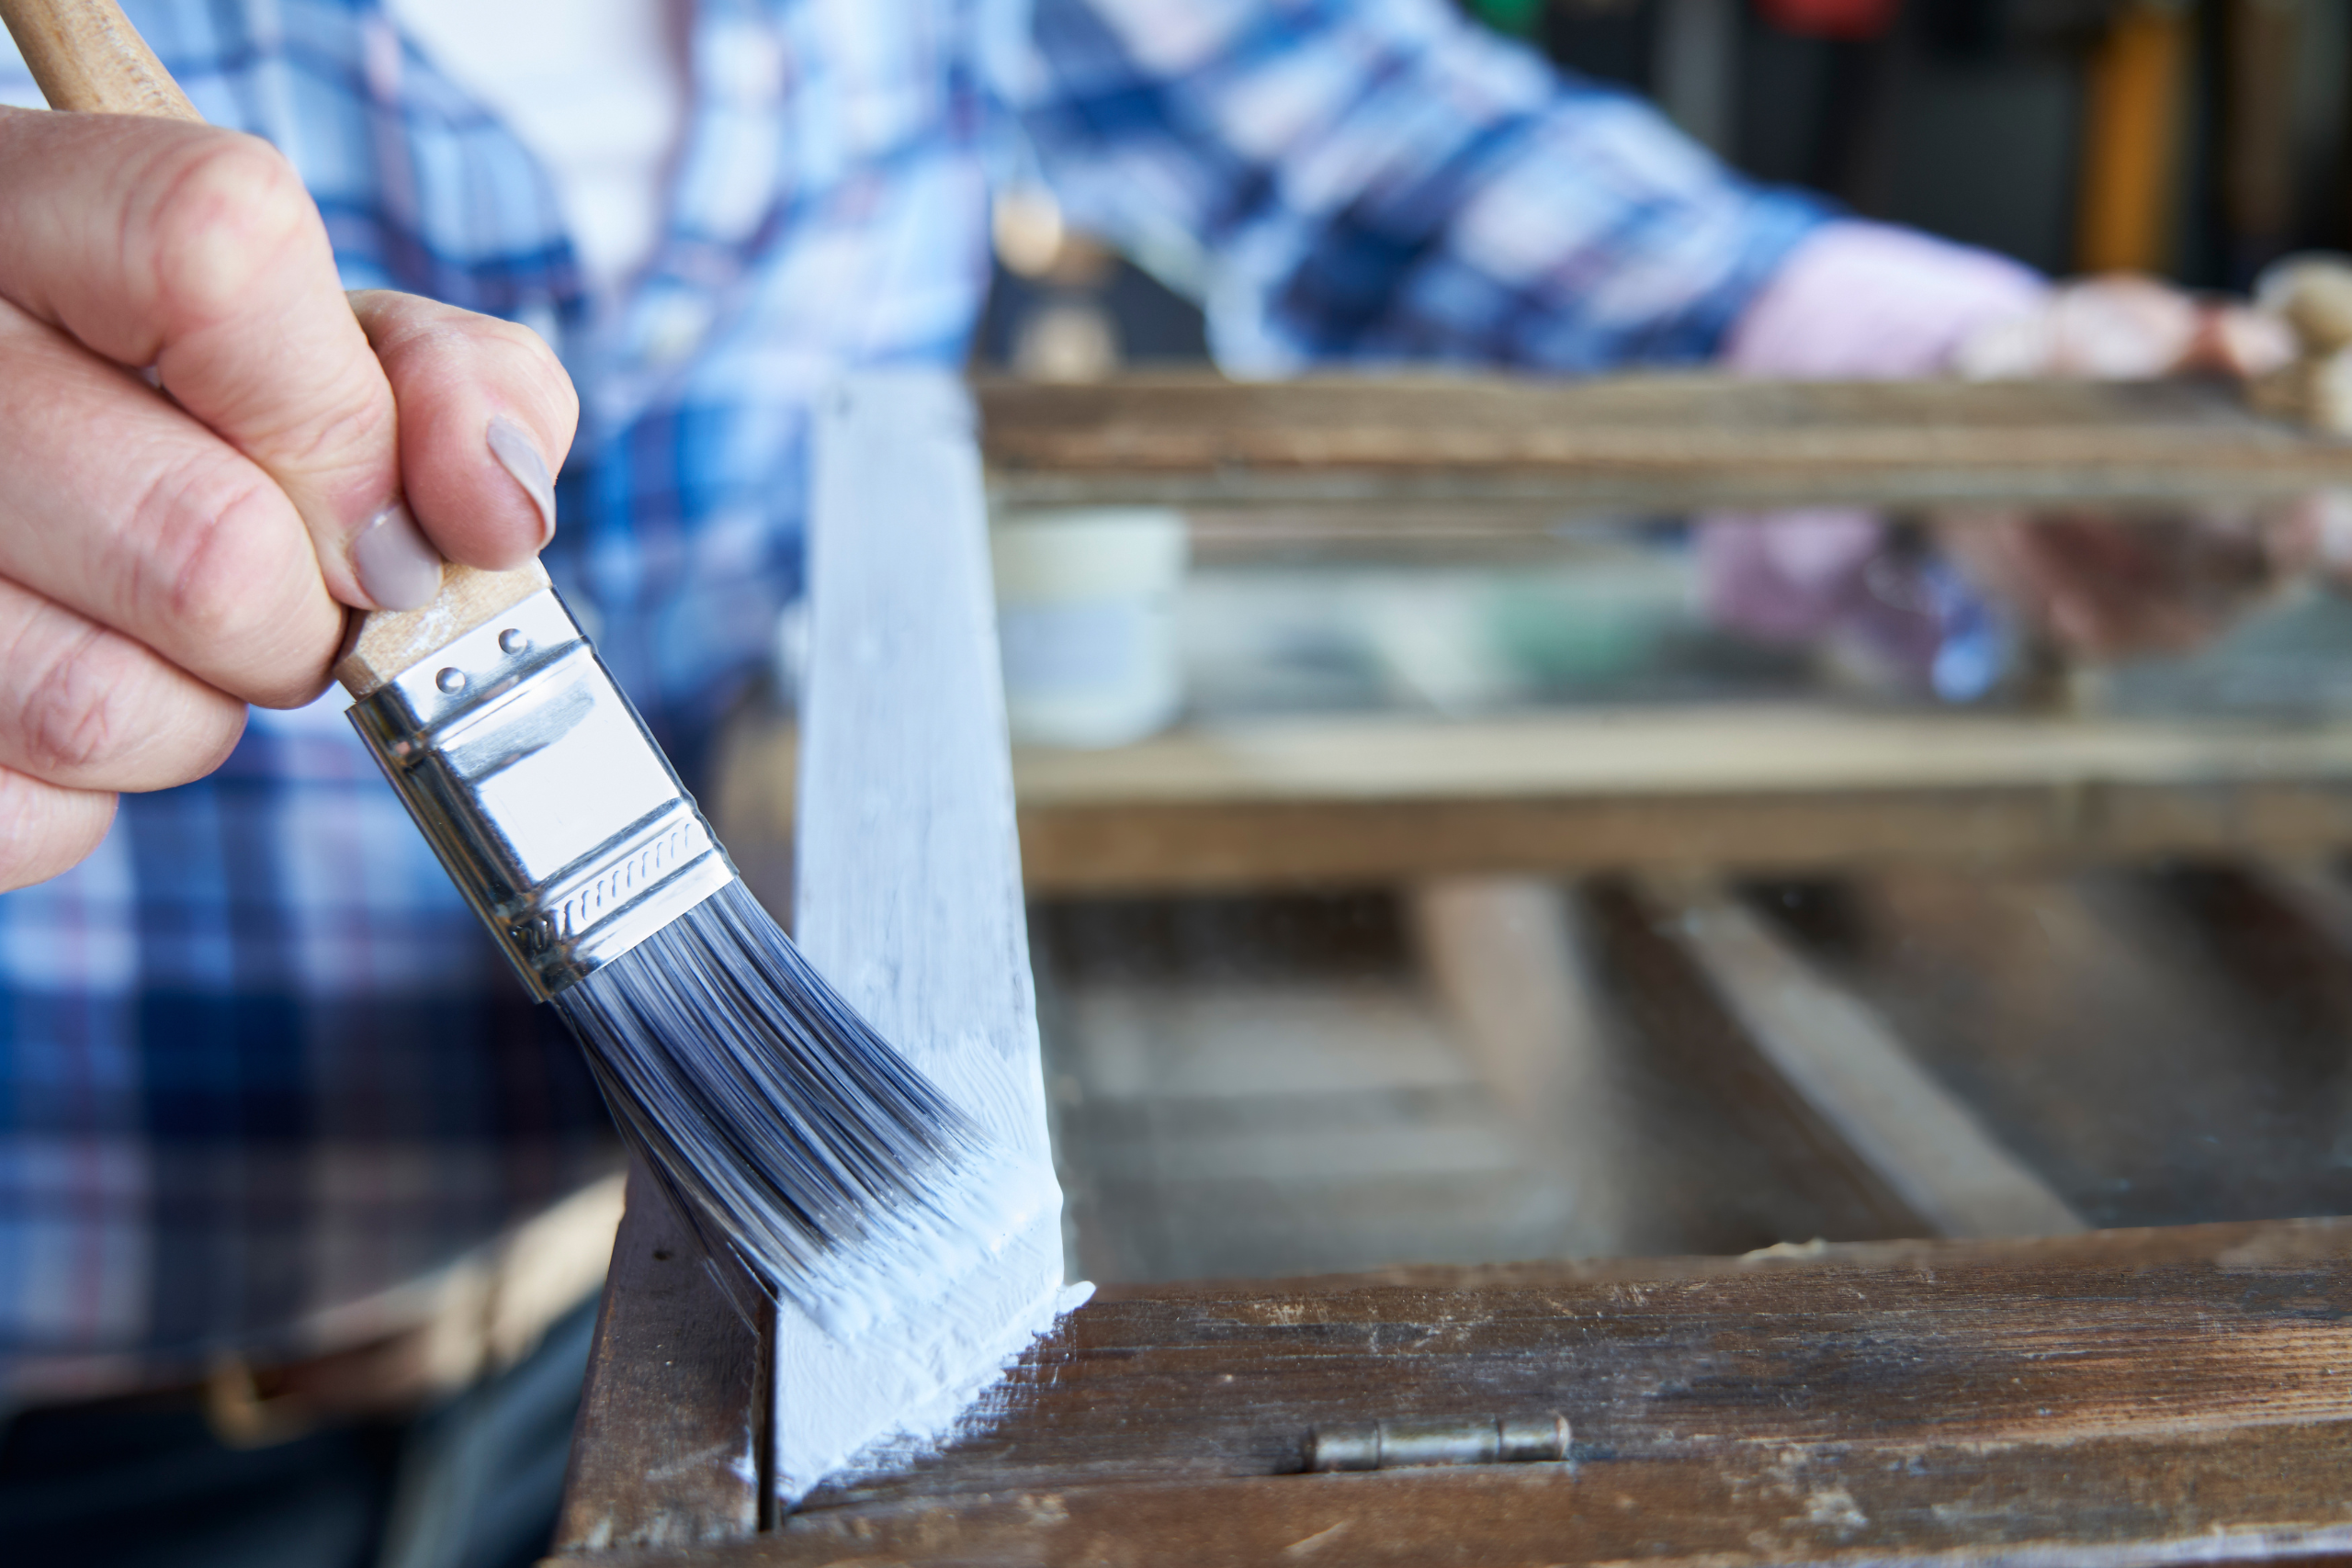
792,1136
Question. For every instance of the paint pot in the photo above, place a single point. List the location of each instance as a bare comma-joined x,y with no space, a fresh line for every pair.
1086,616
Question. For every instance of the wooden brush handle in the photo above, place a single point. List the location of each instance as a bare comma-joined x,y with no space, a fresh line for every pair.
390,641
89,58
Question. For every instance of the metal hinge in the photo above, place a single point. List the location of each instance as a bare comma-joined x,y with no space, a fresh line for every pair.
1391,1445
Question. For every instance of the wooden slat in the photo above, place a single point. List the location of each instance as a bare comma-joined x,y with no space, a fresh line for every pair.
1507,956
908,877
1504,954
2113,1398
1684,1028
665,1451
2316,891
1839,1059
1357,801
1643,442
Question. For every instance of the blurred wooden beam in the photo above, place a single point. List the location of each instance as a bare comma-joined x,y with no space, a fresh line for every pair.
1401,453
1359,801
1839,1059
1510,962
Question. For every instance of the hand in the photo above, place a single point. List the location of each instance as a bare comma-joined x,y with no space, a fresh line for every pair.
2123,328
2098,584
207,451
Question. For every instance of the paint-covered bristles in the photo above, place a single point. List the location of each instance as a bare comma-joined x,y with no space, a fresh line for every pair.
810,1147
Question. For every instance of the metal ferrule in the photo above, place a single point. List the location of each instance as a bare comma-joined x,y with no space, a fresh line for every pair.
536,783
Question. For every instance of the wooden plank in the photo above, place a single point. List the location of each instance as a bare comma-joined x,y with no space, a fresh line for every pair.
1838,1058
1343,801
909,882
1226,846
2112,1398
2133,1035
2316,892
1682,1024
1508,957
666,1449
1750,750
1663,443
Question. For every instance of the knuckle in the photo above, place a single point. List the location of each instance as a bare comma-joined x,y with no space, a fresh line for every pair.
222,219
73,722
486,347
361,420
200,563
512,337
217,572
93,709
530,352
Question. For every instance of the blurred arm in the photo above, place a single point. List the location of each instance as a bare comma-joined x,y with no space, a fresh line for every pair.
1380,180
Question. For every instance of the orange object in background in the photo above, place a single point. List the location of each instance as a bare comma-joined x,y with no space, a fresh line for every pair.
2131,140
1848,19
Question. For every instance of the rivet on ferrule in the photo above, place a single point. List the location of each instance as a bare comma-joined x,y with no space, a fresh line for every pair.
536,783
1397,1444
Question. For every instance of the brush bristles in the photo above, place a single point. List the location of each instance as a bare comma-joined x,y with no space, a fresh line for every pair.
783,1122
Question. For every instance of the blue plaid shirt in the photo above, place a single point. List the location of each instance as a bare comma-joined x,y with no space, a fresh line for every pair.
256,1061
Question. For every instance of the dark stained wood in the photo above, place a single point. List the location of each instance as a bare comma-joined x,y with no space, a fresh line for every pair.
666,1449
1638,441
2116,1397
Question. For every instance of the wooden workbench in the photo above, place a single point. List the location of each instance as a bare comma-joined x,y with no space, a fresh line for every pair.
2085,1397
2127,1396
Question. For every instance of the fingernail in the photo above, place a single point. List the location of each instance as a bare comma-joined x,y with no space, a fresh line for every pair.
397,569
520,456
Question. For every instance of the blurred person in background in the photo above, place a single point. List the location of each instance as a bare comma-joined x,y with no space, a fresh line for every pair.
267,1091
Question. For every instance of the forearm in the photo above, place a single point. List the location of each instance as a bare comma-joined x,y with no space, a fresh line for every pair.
1855,301
1382,181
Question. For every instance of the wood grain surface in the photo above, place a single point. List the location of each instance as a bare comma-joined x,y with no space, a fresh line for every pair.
665,1451
2115,1397
1634,441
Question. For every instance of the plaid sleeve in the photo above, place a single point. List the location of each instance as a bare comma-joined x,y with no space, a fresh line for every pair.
1380,180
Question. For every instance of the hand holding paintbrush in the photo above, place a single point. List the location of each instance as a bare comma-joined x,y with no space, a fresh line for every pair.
169,557
256,486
